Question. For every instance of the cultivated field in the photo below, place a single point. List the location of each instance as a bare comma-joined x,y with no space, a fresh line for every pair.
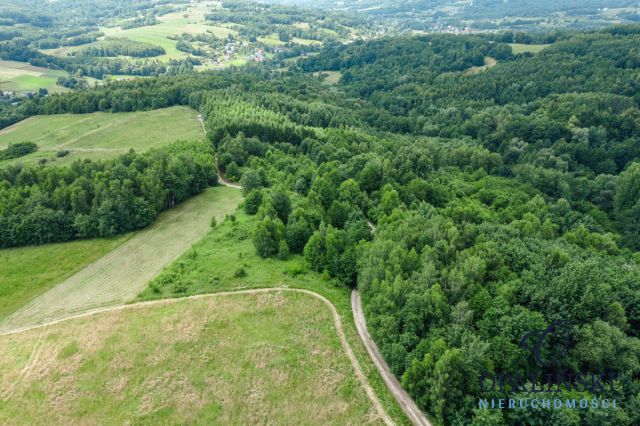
101,135
227,359
22,77
120,275
27,272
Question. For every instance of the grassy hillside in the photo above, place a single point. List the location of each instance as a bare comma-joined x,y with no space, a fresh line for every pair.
113,279
225,259
236,359
22,77
26,272
171,25
530,48
101,135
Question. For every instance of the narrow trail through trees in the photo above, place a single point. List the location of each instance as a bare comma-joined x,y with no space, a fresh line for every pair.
221,177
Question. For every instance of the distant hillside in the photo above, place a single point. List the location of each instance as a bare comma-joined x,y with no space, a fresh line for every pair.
488,14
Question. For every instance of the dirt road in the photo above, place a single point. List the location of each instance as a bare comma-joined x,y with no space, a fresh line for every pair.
221,178
404,400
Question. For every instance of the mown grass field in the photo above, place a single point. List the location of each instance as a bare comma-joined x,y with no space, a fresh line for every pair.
331,77
225,259
120,275
101,135
27,272
171,25
190,21
522,48
22,77
231,359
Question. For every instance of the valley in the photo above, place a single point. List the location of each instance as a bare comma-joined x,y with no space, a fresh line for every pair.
296,212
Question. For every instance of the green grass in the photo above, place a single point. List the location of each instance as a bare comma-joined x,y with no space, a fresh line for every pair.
522,48
101,135
271,40
23,77
27,272
211,267
331,77
172,24
119,276
489,62
235,359
306,42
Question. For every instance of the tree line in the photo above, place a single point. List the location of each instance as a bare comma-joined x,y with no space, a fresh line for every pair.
99,198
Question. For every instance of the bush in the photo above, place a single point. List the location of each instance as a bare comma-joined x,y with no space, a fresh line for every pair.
214,222
233,172
295,270
267,236
253,201
62,153
18,150
283,250
239,273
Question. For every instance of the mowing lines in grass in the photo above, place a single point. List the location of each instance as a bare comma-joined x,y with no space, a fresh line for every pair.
102,135
120,275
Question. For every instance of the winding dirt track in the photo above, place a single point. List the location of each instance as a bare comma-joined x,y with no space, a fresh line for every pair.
407,404
221,178
336,320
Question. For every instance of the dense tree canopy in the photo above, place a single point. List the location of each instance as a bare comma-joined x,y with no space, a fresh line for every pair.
502,200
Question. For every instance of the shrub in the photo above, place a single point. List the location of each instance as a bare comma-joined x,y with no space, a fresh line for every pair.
253,201
239,273
283,250
233,172
17,150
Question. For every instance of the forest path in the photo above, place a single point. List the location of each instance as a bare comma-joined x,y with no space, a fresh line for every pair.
405,401
119,276
221,177
334,312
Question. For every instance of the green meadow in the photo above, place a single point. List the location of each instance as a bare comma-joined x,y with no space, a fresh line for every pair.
22,77
101,135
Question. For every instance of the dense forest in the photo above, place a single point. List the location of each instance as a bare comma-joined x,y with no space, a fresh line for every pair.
88,199
502,200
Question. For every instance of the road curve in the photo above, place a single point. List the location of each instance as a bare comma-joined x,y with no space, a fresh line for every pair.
407,404
221,178
336,320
